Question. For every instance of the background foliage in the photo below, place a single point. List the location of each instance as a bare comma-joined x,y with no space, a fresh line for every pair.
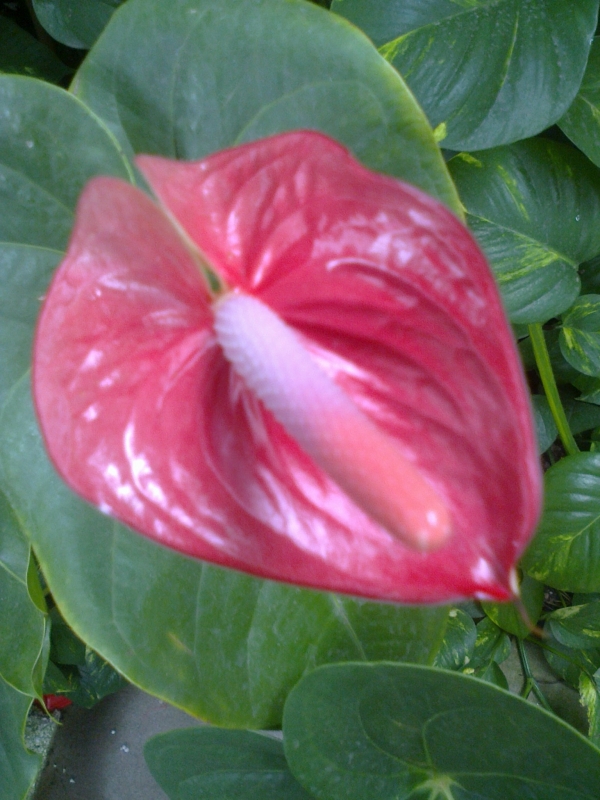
509,89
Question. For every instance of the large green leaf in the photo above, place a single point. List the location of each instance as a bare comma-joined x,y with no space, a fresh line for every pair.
21,54
50,146
221,765
224,646
581,122
372,731
22,623
487,72
565,552
183,78
18,768
534,207
76,23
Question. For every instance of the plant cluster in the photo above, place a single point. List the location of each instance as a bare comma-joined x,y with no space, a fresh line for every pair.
493,108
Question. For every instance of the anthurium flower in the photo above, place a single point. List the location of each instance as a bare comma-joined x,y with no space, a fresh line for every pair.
294,367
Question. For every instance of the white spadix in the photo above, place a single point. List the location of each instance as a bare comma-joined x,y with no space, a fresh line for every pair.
360,457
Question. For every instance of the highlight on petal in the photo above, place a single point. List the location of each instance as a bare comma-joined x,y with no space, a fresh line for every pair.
356,373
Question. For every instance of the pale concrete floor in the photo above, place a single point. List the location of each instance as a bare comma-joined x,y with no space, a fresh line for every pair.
98,754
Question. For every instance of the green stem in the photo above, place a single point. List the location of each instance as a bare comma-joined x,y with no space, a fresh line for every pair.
544,366
531,685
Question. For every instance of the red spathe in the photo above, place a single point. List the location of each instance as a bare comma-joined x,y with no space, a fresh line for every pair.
144,416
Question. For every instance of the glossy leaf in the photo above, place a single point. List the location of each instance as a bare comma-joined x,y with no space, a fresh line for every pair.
486,73
580,335
208,762
545,426
21,54
581,122
576,626
22,623
76,23
363,732
185,79
565,552
224,646
18,767
534,207
412,334
509,618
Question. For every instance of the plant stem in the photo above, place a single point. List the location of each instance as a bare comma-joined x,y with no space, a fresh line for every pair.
544,366
531,685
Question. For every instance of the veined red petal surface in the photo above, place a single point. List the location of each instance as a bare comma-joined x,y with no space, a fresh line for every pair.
146,416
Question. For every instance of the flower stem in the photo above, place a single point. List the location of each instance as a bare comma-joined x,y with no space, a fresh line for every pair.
531,685
544,366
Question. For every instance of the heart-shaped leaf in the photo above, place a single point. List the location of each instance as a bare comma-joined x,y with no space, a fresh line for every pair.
186,79
44,166
370,291
76,23
486,73
581,122
363,732
208,762
224,646
534,207
18,767
580,335
565,552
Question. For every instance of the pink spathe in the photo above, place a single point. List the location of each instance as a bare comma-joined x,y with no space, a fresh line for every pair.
160,409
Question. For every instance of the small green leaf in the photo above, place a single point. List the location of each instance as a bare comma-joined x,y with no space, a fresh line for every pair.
568,662
458,643
576,626
18,767
76,23
535,209
508,617
95,679
487,72
372,731
22,624
221,765
186,79
65,646
545,426
580,335
565,552
581,122
21,54
492,647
